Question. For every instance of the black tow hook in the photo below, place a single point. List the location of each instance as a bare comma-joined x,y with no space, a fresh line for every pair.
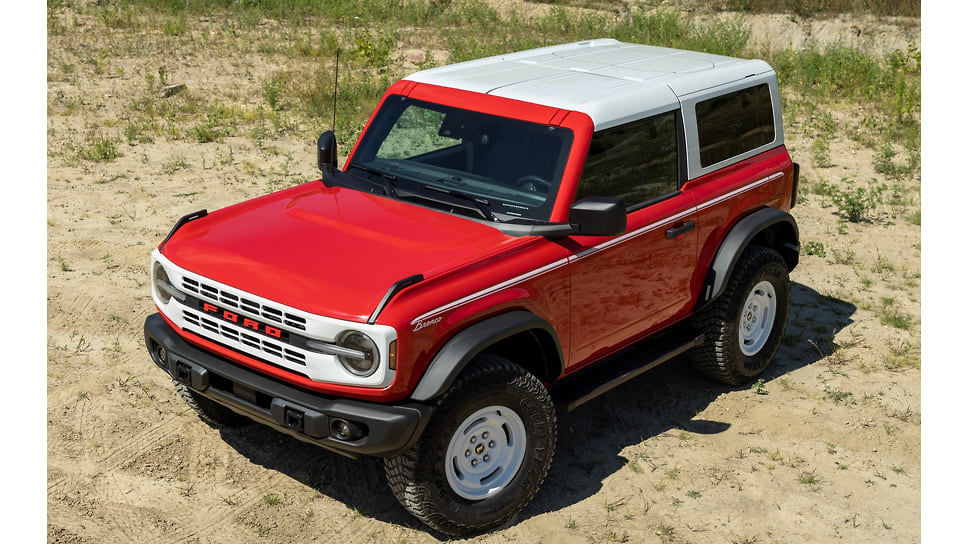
294,419
183,373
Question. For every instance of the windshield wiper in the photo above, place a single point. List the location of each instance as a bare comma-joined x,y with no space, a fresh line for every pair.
388,179
481,204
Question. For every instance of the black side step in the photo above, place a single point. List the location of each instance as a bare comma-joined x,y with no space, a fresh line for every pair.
577,389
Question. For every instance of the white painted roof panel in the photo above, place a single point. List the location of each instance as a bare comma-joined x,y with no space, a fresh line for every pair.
611,81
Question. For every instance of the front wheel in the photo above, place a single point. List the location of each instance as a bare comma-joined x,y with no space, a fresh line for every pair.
484,454
745,325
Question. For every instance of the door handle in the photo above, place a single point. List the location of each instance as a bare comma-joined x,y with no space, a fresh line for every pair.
675,232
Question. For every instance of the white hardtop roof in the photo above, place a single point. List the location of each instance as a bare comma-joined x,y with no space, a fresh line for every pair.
611,81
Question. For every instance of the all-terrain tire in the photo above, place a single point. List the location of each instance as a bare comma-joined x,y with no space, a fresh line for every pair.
212,413
484,454
745,325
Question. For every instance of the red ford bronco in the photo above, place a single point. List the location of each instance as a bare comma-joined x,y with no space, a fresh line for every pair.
509,237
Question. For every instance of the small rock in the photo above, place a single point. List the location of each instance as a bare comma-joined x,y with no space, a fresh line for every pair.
172,90
416,57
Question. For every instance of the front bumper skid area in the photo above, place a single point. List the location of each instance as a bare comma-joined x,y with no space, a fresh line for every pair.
377,429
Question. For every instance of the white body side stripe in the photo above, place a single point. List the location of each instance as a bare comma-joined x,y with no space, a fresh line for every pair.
590,251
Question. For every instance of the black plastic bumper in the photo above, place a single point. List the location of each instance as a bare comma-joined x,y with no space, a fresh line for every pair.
379,430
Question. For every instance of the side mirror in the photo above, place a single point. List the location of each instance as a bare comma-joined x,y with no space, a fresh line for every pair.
326,152
592,216
598,216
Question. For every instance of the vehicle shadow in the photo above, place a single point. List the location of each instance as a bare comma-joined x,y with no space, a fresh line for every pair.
590,438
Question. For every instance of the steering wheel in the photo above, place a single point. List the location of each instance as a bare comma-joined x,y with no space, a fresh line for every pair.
533,184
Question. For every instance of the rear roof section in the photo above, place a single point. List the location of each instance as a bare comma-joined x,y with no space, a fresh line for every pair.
611,81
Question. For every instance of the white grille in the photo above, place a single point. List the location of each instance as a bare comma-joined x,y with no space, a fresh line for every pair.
238,333
232,335
242,304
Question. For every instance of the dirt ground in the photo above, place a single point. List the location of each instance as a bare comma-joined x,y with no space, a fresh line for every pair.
827,448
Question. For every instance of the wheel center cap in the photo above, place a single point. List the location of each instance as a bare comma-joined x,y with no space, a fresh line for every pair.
479,449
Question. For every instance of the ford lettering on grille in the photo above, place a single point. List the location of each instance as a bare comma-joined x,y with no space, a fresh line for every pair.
242,321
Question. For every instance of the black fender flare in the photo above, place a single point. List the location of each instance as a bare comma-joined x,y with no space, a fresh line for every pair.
457,352
771,227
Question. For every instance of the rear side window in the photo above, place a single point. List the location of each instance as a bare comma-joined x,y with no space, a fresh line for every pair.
734,123
636,162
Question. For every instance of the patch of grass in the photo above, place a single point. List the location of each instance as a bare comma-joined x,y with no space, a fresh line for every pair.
855,203
614,505
809,8
890,315
121,17
374,50
883,265
837,395
213,128
915,218
888,86
100,149
822,130
272,91
272,499
885,163
759,387
174,26
815,248
844,256
903,355
139,131
666,532
809,477
173,166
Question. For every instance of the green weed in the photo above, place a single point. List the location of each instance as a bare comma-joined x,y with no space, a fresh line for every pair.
815,248
891,316
855,203
809,8
809,478
272,499
759,387
100,149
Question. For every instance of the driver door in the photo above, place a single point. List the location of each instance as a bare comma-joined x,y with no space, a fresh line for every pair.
626,286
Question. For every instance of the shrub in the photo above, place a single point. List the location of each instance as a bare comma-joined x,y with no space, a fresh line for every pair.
854,203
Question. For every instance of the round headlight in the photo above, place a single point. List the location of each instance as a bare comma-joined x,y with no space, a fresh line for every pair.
365,356
159,277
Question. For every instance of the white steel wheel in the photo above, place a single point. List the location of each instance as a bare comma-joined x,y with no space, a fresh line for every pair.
485,453
756,321
744,326
479,461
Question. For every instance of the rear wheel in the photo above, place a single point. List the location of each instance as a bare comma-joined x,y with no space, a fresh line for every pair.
484,454
745,325
212,413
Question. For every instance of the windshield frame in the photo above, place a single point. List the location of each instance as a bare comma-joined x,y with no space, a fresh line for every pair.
425,179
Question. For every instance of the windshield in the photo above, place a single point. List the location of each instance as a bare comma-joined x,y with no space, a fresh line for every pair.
492,167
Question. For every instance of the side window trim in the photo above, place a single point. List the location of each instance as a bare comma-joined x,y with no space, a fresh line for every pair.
681,159
651,201
694,168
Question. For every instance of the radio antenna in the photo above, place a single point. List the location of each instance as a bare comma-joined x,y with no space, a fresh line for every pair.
335,89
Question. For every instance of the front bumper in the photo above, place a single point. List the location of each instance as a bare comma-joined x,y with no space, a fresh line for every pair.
378,429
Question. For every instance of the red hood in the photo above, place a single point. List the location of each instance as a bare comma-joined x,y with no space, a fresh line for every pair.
328,250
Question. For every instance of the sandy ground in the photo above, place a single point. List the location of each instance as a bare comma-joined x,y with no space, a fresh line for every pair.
828,449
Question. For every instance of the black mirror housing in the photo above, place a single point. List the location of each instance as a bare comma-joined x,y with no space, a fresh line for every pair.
598,216
326,152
